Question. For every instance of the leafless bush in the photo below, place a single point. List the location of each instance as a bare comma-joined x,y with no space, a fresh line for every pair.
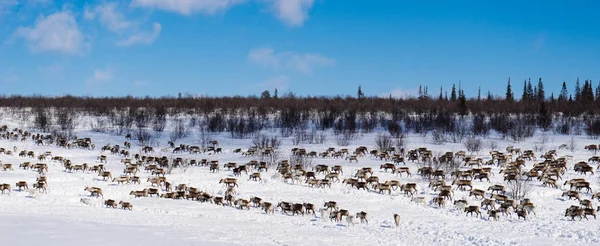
142,136
159,123
540,146
457,132
519,189
345,138
42,120
98,124
493,145
203,137
303,160
473,144
438,137
263,141
401,141
179,131
572,145
395,129
273,158
520,131
383,142
142,118
66,119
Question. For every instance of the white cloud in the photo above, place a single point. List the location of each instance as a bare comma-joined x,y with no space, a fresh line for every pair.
400,94
292,12
305,63
99,77
58,32
109,17
114,21
188,7
142,37
280,83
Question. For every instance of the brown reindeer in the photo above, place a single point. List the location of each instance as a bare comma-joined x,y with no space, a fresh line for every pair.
94,191
141,193
22,184
110,203
5,187
105,175
473,209
126,205
229,181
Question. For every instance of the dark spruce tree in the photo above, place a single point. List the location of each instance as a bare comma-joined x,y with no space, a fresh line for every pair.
541,94
564,94
509,94
453,94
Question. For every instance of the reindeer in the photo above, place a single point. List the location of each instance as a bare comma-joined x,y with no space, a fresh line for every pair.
94,190
473,209
571,195
126,205
110,203
141,193
268,207
5,187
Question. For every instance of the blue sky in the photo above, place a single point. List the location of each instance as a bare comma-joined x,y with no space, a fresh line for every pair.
309,47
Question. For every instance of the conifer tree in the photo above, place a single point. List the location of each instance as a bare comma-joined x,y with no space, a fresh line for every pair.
509,93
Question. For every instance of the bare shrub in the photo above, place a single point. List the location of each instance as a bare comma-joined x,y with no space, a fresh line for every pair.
394,128
179,131
540,146
493,145
263,141
98,124
66,119
473,144
401,142
273,158
572,145
457,132
203,137
142,136
438,137
521,128
302,160
41,120
592,128
383,142
519,189
345,138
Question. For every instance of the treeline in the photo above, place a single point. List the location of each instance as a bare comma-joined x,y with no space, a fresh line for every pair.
447,117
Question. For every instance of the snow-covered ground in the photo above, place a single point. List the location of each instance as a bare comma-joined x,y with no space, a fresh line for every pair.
59,218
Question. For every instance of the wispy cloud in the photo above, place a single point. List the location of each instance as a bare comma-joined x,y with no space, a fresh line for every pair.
188,7
98,78
292,12
58,32
110,17
142,37
400,94
305,63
